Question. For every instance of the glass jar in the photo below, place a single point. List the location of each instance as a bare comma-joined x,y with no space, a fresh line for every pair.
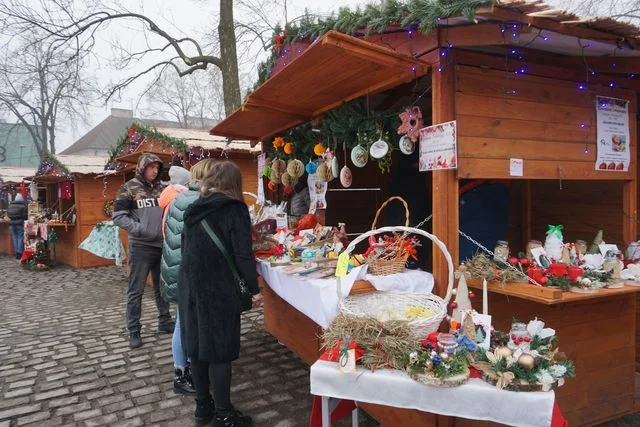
612,263
530,246
581,247
447,343
501,251
633,251
519,337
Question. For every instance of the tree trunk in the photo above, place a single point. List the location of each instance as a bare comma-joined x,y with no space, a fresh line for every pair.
229,56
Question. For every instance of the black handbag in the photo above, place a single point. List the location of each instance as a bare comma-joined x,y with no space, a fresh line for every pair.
245,296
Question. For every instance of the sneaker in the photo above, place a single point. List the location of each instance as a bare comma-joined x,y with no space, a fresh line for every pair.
134,339
204,412
182,381
231,418
166,328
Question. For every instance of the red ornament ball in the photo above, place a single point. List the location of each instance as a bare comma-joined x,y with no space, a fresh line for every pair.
512,260
524,261
453,305
472,295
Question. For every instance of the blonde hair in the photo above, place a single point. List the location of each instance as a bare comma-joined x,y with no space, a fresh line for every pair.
201,170
224,177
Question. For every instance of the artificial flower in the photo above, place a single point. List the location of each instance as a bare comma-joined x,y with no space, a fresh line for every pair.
546,379
288,148
536,328
558,371
278,142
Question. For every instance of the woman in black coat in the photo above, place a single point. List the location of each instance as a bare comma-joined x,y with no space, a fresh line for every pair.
208,294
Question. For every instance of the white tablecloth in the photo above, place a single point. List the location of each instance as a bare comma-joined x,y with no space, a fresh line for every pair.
475,400
318,298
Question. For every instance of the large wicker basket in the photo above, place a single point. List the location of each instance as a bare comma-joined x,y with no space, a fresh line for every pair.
382,266
372,304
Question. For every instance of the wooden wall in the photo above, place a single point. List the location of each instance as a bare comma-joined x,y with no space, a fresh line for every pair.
6,243
502,115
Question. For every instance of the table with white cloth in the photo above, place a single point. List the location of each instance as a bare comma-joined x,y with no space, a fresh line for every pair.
476,399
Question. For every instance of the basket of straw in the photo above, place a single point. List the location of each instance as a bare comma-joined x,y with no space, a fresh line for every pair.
391,260
423,312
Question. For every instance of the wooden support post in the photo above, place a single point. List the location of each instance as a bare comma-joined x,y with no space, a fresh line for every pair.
630,188
445,183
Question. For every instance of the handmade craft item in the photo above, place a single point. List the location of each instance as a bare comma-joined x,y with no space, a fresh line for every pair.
411,123
553,245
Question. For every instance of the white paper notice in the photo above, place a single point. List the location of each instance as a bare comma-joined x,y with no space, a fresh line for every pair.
516,167
438,147
261,161
613,145
317,193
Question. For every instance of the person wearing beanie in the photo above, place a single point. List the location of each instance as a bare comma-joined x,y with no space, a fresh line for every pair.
137,211
17,213
179,178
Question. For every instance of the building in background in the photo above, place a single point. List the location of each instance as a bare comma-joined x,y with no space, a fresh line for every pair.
16,146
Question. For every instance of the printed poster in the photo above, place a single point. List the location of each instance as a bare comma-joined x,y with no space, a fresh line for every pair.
612,117
438,147
261,161
317,193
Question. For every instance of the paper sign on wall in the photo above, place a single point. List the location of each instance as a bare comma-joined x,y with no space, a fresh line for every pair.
613,148
516,167
261,160
438,147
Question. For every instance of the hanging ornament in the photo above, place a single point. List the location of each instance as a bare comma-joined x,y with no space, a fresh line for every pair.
318,149
311,167
359,156
335,167
266,172
278,166
379,149
346,177
411,123
287,180
288,148
275,176
66,190
272,186
324,172
278,39
407,146
33,191
295,168
288,190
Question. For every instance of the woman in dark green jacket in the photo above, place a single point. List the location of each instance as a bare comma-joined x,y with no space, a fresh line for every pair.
170,266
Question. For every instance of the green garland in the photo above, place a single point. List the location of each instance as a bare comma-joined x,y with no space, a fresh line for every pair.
51,160
421,15
138,133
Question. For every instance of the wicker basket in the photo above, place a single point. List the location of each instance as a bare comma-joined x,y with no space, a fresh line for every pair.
382,266
371,304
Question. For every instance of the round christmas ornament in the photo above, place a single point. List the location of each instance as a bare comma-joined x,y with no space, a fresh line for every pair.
295,168
286,179
526,361
407,146
379,149
275,177
346,178
288,148
278,166
272,186
311,167
503,352
318,149
335,167
266,172
288,191
359,156
324,172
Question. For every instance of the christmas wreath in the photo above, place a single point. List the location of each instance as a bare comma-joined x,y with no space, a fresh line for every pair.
107,208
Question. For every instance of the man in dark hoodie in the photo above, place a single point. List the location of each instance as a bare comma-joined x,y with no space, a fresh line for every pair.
17,213
137,211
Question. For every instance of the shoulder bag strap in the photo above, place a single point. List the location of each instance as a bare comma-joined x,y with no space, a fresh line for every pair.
216,240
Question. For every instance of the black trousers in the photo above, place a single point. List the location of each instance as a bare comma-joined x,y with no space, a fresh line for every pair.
212,376
144,260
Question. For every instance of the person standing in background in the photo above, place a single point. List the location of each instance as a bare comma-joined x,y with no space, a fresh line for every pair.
137,211
17,213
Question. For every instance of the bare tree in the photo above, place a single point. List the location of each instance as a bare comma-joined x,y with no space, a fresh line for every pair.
42,84
618,9
194,101
63,24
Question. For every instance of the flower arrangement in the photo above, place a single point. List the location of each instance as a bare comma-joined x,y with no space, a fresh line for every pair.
107,208
524,360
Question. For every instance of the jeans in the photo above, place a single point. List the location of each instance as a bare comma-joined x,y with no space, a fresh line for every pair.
179,356
17,235
144,260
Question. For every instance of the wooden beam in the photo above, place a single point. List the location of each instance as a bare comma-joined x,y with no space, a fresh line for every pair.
630,188
257,103
474,35
445,183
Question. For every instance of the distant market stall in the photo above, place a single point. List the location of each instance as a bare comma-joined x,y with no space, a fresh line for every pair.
69,200
513,93
11,179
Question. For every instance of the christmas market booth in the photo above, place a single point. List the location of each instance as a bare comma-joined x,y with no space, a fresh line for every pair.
182,147
11,179
67,201
515,124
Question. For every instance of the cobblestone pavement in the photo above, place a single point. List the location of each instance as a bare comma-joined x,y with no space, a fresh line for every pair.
65,360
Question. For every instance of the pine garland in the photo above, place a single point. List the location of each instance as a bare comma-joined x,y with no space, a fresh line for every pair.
421,15
51,160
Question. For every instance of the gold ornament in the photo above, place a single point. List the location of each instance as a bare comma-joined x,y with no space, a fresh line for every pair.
503,352
286,179
275,176
526,361
279,166
295,168
324,172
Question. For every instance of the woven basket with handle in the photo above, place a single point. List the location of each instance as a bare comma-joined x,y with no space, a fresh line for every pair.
386,266
375,303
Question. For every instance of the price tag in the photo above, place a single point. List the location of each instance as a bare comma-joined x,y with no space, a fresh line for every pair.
343,264
347,362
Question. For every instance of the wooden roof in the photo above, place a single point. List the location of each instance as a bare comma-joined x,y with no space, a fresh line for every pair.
82,164
197,138
338,68
9,174
335,69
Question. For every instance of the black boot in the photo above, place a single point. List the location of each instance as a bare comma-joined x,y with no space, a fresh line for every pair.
231,418
166,328
204,411
182,381
134,339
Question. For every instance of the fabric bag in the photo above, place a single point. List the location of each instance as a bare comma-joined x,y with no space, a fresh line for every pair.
245,296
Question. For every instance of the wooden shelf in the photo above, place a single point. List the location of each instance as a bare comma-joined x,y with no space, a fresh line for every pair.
548,296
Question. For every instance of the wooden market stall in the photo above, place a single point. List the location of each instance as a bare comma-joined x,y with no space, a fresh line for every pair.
521,81
69,190
10,180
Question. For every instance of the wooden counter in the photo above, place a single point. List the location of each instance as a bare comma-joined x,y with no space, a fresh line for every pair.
596,331
6,243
